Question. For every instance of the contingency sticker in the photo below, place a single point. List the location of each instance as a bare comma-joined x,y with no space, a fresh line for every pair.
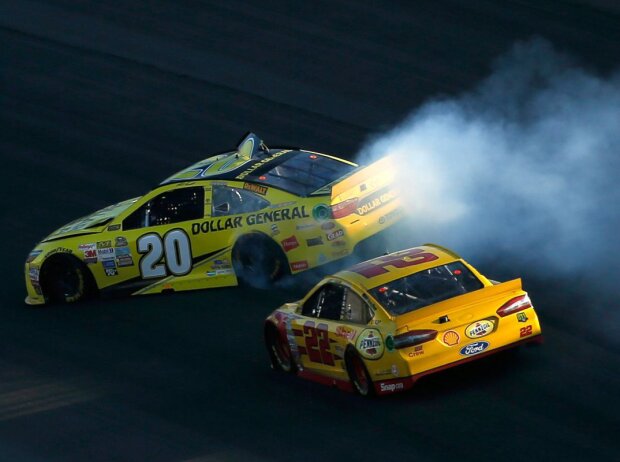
370,344
89,251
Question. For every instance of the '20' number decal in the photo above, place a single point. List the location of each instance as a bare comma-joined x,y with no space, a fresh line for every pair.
176,249
403,260
317,343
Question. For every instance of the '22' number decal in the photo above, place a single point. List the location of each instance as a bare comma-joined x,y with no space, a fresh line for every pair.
317,343
403,260
176,248
525,331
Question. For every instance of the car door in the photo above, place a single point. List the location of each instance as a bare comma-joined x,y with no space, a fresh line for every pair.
157,237
333,315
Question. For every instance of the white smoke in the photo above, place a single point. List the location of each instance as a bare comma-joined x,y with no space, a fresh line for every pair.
525,167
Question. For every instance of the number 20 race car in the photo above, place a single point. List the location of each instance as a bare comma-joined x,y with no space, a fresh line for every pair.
380,325
254,214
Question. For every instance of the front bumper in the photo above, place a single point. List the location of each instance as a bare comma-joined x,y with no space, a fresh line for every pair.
33,288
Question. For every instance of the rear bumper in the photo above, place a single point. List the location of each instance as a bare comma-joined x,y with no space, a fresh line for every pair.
386,387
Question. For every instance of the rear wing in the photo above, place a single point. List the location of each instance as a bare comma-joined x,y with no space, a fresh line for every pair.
367,197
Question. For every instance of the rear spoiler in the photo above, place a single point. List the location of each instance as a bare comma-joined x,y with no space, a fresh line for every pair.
462,302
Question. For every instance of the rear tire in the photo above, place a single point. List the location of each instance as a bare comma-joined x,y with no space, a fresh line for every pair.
258,261
358,374
279,351
65,280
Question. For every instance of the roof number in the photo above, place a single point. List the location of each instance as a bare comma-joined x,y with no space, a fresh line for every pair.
377,266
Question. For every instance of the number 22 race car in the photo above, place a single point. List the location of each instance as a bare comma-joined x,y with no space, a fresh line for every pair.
380,325
253,213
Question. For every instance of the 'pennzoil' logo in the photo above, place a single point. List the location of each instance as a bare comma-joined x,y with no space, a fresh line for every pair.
370,344
480,328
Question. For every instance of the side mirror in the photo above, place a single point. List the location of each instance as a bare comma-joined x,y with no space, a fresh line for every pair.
223,208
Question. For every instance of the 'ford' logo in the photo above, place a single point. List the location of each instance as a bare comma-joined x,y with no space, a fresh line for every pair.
474,348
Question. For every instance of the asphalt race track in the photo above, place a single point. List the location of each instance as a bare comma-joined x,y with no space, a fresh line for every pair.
102,100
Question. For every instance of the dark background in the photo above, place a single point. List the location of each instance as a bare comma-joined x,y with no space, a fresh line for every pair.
102,100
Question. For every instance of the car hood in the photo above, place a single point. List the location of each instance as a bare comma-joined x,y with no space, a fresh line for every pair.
93,223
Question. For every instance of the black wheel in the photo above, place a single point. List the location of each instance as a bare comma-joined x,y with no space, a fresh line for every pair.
65,280
358,374
258,261
279,351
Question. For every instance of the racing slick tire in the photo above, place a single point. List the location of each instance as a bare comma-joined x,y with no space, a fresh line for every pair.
358,374
65,279
258,261
279,351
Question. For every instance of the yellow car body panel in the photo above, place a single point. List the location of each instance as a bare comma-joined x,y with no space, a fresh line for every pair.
129,249
463,327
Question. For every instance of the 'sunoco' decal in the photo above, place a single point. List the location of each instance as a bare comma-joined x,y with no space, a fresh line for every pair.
474,348
480,328
370,344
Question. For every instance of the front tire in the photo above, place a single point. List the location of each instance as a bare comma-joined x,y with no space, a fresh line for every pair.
65,280
258,261
358,374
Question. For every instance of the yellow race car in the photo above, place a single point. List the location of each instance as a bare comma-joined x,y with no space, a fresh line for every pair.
253,214
380,325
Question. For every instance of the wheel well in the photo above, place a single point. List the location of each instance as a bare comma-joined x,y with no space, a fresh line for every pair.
256,237
269,330
65,259
349,350
348,353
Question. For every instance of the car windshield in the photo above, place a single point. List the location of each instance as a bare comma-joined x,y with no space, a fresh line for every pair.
303,173
426,287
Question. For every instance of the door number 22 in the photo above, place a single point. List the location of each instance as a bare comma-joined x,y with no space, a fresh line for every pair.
317,343
174,246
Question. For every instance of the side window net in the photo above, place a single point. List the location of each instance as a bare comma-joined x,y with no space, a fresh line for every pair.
234,201
355,309
326,303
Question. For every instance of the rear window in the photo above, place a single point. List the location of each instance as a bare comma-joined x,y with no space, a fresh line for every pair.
303,173
425,288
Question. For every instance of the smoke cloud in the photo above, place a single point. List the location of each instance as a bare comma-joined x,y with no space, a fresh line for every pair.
522,169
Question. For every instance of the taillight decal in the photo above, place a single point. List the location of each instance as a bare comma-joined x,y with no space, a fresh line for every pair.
345,208
514,305
414,337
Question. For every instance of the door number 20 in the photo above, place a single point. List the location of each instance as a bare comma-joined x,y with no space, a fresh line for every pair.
174,246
